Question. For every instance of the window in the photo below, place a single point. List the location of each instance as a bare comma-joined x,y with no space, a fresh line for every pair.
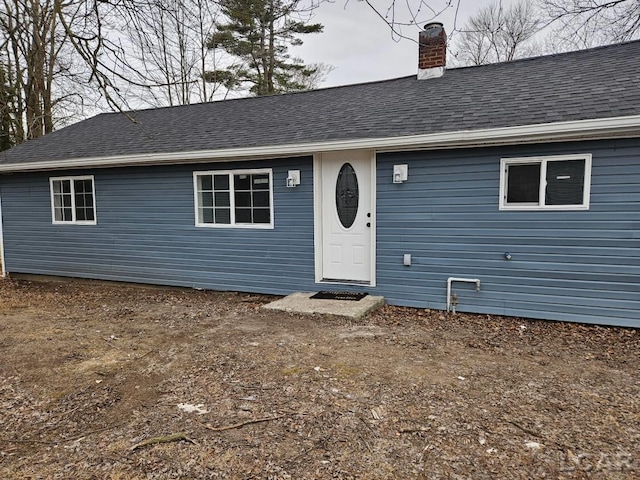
347,194
238,198
560,182
72,200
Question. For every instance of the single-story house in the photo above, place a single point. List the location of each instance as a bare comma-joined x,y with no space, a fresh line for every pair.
510,189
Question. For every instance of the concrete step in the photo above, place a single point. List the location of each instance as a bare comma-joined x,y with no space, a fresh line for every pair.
301,302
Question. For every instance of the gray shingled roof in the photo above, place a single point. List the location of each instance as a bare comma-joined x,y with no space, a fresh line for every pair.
598,83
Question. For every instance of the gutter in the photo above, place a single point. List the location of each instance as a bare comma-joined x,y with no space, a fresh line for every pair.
593,129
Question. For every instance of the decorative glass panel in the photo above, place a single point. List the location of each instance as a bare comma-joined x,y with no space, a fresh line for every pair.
347,195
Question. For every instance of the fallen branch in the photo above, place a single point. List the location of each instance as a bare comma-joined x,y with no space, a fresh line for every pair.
411,430
176,437
36,442
525,430
241,424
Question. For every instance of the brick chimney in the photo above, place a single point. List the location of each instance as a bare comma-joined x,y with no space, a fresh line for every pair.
432,51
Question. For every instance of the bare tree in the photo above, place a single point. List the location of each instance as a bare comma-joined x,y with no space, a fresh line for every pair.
315,79
591,22
6,117
169,38
402,17
30,51
498,34
95,33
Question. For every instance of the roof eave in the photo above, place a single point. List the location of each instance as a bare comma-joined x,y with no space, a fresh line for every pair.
592,129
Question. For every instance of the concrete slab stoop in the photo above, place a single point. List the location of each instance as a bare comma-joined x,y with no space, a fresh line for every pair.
301,302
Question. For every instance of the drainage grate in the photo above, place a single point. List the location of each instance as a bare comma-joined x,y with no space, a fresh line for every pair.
339,296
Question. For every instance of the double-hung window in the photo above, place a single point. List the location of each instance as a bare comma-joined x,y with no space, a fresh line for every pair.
561,182
73,200
235,198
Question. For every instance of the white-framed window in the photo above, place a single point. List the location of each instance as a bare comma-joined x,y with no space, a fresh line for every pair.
73,200
234,198
559,182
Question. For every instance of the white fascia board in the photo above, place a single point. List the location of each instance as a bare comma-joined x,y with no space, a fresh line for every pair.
592,129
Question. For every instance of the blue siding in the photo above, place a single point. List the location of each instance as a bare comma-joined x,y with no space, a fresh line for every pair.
566,265
572,265
146,231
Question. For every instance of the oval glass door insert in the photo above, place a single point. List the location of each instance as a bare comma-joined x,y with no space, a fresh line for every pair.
347,195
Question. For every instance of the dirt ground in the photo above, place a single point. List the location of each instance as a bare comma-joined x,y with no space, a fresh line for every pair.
105,381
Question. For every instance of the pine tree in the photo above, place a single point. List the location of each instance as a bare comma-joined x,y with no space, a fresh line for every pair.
258,35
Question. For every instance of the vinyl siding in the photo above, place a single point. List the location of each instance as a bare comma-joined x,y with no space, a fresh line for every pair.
566,265
146,231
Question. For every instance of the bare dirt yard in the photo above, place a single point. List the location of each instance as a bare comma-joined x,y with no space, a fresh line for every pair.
106,381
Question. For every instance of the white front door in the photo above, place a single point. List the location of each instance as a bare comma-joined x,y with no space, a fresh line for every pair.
347,218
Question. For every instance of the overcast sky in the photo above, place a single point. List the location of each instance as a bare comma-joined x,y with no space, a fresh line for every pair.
360,46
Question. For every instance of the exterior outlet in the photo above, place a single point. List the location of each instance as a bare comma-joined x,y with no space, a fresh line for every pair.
432,51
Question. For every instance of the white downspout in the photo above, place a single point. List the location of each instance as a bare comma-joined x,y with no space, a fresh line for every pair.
450,280
2,257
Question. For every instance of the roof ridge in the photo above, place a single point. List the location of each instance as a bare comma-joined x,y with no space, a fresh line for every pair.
543,57
548,56
263,97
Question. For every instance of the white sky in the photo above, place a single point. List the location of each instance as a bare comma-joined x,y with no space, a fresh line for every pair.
359,45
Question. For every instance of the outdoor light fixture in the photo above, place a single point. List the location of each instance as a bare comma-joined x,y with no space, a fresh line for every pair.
293,178
400,173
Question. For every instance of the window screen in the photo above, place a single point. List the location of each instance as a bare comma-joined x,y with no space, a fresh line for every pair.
523,183
565,182
559,182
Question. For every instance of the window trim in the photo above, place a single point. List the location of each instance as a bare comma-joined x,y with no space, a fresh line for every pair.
231,173
73,220
543,160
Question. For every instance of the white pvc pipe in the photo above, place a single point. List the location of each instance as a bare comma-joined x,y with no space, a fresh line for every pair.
450,280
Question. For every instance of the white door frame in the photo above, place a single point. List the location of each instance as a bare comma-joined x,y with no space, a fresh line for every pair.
318,223
3,258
